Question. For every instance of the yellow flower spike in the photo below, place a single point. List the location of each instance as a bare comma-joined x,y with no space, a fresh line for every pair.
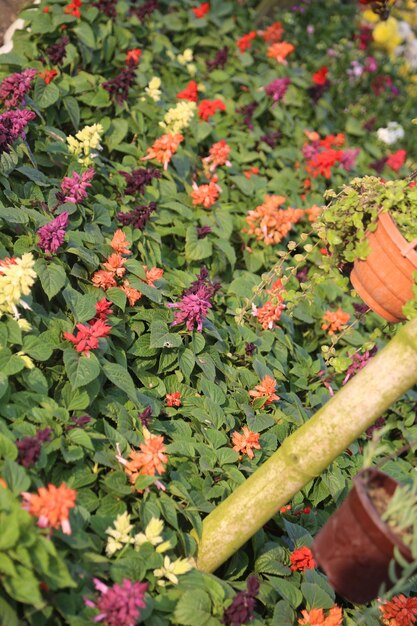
85,143
16,280
163,547
153,89
119,534
24,325
179,117
192,69
29,364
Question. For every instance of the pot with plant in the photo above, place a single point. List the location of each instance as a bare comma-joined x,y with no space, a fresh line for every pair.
373,224
376,522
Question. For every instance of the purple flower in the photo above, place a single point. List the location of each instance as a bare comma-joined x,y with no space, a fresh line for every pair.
358,362
145,416
369,125
316,91
277,88
118,87
108,7
248,111
57,51
371,64
272,138
78,422
250,349
349,157
12,125
361,309
119,605
138,179
52,234
243,605
219,60
203,231
195,302
76,186
310,150
30,447
137,217
14,87
378,165
380,422
145,10
302,274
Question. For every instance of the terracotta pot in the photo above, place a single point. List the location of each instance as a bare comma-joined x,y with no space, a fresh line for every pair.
354,547
384,280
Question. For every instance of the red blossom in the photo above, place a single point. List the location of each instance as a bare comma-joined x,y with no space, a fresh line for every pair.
302,559
133,56
173,399
320,77
48,75
88,336
207,108
73,8
201,10
396,160
244,43
189,93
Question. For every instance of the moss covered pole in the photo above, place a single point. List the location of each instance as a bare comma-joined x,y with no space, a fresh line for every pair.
309,450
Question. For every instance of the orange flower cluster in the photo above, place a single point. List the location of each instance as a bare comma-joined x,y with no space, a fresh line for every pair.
133,56
51,505
280,51
218,155
335,321
273,33
316,617
313,212
265,390
399,611
164,148
302,559
205,195
247,442
152,275
270,223
251,172
173,399
151,459
48,76
270,312
113,268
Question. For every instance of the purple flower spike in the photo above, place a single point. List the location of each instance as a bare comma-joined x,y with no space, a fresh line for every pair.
14,88
195,302
137,217
243,605
118,87
137,180
57,51
12,125
30,447
77,185
119,605
52,234
277,88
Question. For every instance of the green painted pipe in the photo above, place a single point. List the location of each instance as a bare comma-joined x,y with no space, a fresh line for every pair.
309,450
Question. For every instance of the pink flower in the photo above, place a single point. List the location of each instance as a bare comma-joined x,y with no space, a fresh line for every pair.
51,236
119,605
76,186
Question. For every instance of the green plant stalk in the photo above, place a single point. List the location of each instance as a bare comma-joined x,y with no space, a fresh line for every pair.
309,450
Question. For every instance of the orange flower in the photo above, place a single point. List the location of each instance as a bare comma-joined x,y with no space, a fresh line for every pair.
205,195
173,399
333,321
104,279
400,611
151,459
218,155
265,389
312,135
280,51
133,56
250,172
155,273
3,483
48,75
269,314
51,505
244,443
133,295
114,264
313,213
164,148
273,33
316,617
270,224
119,243
302,559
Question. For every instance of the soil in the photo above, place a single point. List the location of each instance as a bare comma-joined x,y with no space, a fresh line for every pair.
9,10
379,498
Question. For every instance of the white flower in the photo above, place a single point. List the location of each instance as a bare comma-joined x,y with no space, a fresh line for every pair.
172,569
153,89
152,533
185,57
119,534
392,133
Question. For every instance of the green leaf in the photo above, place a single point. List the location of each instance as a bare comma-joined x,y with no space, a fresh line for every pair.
37,347
85,34
117,132
33,174
194,607
45,95
73,110
117,296
120,377
186,360
83,307
52,277
15,476
195,248
316,597
7,448
81,369
287,590
162,338
245,185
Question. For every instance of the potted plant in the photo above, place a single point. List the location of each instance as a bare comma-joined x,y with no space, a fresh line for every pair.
358,542
372,224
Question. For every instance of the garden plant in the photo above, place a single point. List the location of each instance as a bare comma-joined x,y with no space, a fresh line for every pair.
177,322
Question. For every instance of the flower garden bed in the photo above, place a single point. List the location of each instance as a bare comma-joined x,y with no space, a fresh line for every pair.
161,169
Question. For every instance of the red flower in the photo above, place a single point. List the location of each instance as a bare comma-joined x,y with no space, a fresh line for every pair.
73,8
88,336
201,10
396,160
400,611
320,77
302,559
173,399
244,43
189,93
207,108
133,56
48,75
103,309
321,164
45,9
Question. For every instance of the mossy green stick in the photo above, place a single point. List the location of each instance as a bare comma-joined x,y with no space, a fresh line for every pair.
308,451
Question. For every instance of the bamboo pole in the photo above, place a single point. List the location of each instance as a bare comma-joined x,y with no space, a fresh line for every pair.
309,450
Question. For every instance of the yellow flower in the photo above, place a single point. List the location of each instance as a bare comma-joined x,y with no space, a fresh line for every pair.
172,569
153,89
16,279
179,117
192,69
152,533
85,143
370,16
386,34
185,57
119,534
24,325
26,360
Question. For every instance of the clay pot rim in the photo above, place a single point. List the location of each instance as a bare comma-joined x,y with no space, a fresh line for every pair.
360,482
388,222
